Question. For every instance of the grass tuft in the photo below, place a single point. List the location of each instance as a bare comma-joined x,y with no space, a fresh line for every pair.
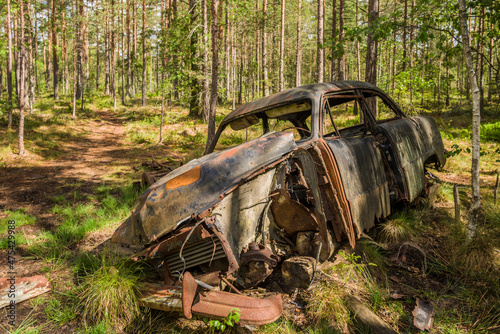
397,229
109,289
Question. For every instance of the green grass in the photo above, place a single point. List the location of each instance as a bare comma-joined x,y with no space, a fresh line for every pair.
109,288
80,219
21,219
58,311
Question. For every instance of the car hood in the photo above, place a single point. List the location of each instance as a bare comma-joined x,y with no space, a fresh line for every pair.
196,186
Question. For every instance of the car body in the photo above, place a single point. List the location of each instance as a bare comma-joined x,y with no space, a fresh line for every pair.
344,154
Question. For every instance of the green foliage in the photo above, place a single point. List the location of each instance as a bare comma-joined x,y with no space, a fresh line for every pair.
230,320
491,131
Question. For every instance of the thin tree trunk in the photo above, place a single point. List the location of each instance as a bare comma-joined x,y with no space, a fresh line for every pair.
144,64
490,68
405,24
371,53
265,79
282,47
215,73
341,57
333,74
257,50
206,84
298,72
55,62
129,73
320,60
113,54
65,54
476,119
97,57
21,78
358,55
9,64
123,53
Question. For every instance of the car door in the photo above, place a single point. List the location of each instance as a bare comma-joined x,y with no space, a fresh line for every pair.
354,154
407,143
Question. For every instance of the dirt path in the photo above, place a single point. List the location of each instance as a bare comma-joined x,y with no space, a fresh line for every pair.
88,158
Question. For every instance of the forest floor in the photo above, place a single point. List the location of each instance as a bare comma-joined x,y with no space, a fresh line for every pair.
75,185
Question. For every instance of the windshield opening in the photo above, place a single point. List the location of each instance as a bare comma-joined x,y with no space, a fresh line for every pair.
294,117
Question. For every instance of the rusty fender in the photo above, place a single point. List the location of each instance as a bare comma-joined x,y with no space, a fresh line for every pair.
192,300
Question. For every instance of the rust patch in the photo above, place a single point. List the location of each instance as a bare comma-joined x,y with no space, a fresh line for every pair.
189,177
254,311
292,216
257,262
189,290
25,288
161,297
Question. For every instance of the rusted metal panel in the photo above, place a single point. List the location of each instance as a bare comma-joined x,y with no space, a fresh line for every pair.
363,177
189,290
239,213
337,196
19,289
290,215
164,204
161,297
254,311
413,140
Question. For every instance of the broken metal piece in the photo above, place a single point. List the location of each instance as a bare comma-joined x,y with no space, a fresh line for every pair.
254,311
189,290
257,263
423,315
161,297
22,288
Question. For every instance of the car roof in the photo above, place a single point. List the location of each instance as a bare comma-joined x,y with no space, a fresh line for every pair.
294,94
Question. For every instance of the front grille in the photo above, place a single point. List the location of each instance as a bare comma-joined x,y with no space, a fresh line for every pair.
201,253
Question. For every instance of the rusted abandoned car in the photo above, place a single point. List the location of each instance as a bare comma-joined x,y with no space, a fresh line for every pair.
327,161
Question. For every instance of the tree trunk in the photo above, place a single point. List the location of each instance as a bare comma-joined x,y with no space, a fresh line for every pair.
405,24
97,52
265,79
9,64
358,55
195,89
65,54
55,62
79,42
341,57
129,73
113,55
282,47
476,119
31,58
123,53
144,64
371,52
21,78
215,73
257,50
320,60
333,74
298,72
206,84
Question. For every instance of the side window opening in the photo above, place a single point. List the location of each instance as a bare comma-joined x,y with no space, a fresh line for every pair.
380,107
343,115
